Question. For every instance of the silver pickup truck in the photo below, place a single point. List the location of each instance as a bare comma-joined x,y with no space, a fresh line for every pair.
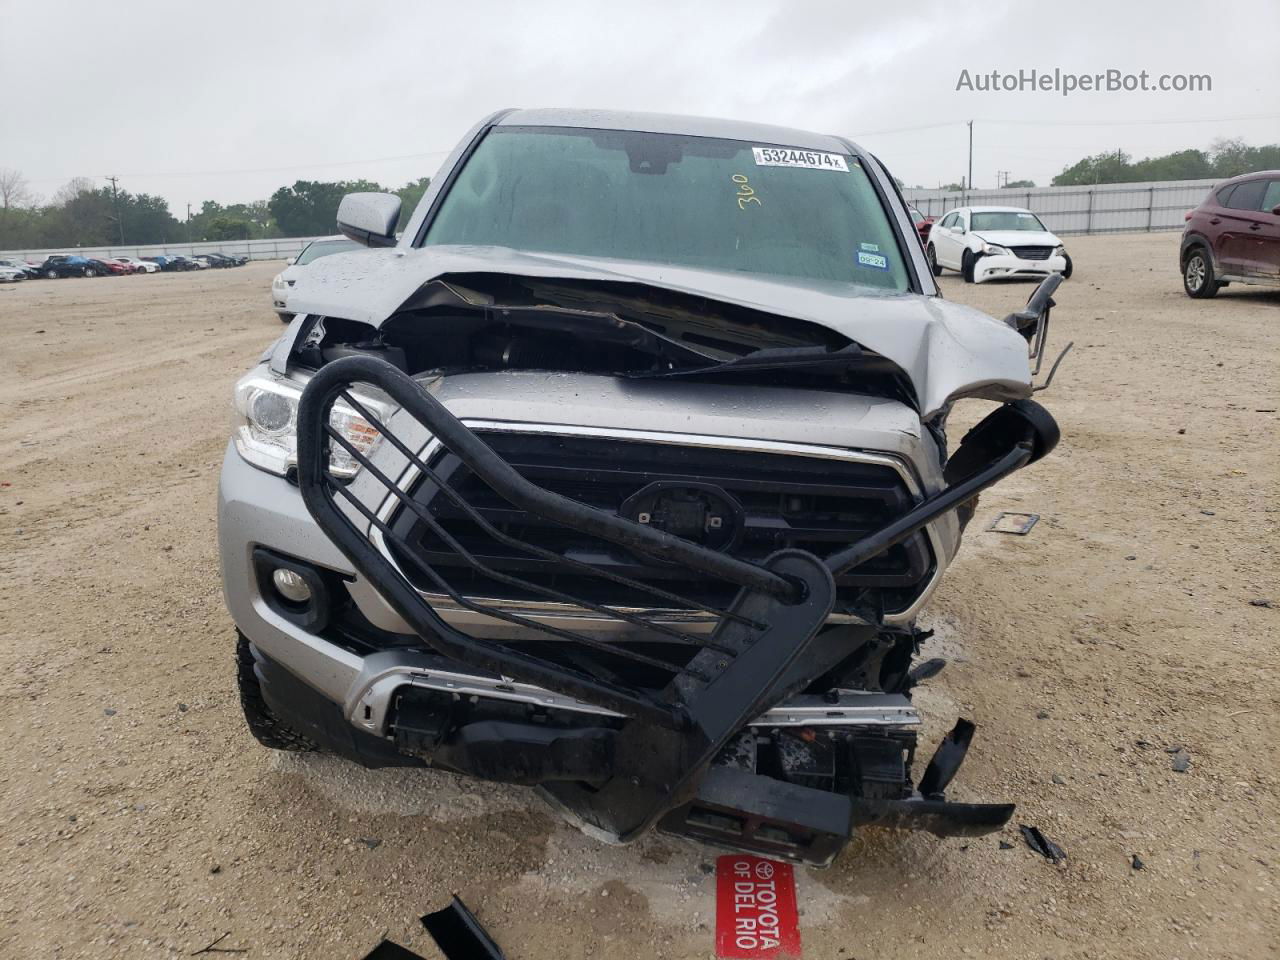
623,473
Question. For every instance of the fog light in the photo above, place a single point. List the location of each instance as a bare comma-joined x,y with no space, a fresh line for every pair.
291,586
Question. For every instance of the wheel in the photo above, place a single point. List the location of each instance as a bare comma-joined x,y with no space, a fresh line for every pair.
932,256
1197,275
966,266
51,274
1066,274
90,272
264,726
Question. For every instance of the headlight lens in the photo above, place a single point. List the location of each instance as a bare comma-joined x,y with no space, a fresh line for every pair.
266,427
996,250
1059,251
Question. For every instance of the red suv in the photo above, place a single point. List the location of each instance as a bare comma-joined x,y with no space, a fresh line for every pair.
1233,236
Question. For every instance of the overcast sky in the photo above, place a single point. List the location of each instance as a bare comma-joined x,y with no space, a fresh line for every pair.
228,100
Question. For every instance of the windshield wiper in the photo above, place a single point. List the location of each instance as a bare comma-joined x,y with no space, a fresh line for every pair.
809,359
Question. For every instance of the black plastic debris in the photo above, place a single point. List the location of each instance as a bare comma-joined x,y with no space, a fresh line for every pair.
387,950
1006,845
459,935
947,759
1019,524
1041,844
1136,862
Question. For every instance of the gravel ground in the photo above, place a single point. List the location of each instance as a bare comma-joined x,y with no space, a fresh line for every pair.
138,819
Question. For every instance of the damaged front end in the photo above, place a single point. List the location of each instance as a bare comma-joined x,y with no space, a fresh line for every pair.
654,637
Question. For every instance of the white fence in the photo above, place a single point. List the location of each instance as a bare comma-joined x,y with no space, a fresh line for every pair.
1102,208
253,249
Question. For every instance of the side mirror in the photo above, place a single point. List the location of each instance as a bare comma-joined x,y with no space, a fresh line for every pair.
369,218
1275,211
1033,319
291,261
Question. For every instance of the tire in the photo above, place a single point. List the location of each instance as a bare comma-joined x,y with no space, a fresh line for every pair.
932,256
966,266
51,274
90,272
1197,275
1066,274
264,726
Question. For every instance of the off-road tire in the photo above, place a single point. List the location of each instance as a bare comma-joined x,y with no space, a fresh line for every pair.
263,724
966,266
931,255
1197,275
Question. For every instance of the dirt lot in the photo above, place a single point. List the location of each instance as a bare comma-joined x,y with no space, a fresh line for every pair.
138,818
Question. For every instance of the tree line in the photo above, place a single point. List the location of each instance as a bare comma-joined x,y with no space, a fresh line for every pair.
82,214
1223,159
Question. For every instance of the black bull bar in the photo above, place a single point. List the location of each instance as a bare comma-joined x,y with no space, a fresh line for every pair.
655,765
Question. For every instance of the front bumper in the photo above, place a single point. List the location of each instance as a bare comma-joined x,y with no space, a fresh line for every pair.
645,749
1010,267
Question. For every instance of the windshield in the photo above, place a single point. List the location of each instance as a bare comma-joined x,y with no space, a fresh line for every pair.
323,248
1007,220
661,198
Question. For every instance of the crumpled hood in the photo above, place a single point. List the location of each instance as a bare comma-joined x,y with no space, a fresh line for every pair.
947,350
1018,238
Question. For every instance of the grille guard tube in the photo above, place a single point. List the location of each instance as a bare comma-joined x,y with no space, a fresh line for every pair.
670,735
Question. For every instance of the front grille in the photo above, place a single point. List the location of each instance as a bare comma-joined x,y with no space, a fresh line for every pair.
817,505
1032,253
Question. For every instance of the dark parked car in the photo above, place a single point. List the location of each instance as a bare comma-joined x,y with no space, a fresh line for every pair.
1233,236
64,265
225,260
109,268
169,264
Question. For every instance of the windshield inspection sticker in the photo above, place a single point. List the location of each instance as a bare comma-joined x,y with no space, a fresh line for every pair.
789,157
756,912
877,261
873,247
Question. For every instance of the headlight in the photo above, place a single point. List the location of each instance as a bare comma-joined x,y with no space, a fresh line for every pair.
266,426
1059,251
995,250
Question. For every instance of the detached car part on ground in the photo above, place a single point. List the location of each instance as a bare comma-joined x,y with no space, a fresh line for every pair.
611,478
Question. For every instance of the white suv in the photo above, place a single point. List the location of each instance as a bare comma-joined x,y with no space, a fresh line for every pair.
990,243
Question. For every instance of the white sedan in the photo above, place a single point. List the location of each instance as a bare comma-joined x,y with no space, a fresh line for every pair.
992,243
140,266
295,267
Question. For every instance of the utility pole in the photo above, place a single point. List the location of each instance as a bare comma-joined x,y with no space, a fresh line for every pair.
969,181
115,201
